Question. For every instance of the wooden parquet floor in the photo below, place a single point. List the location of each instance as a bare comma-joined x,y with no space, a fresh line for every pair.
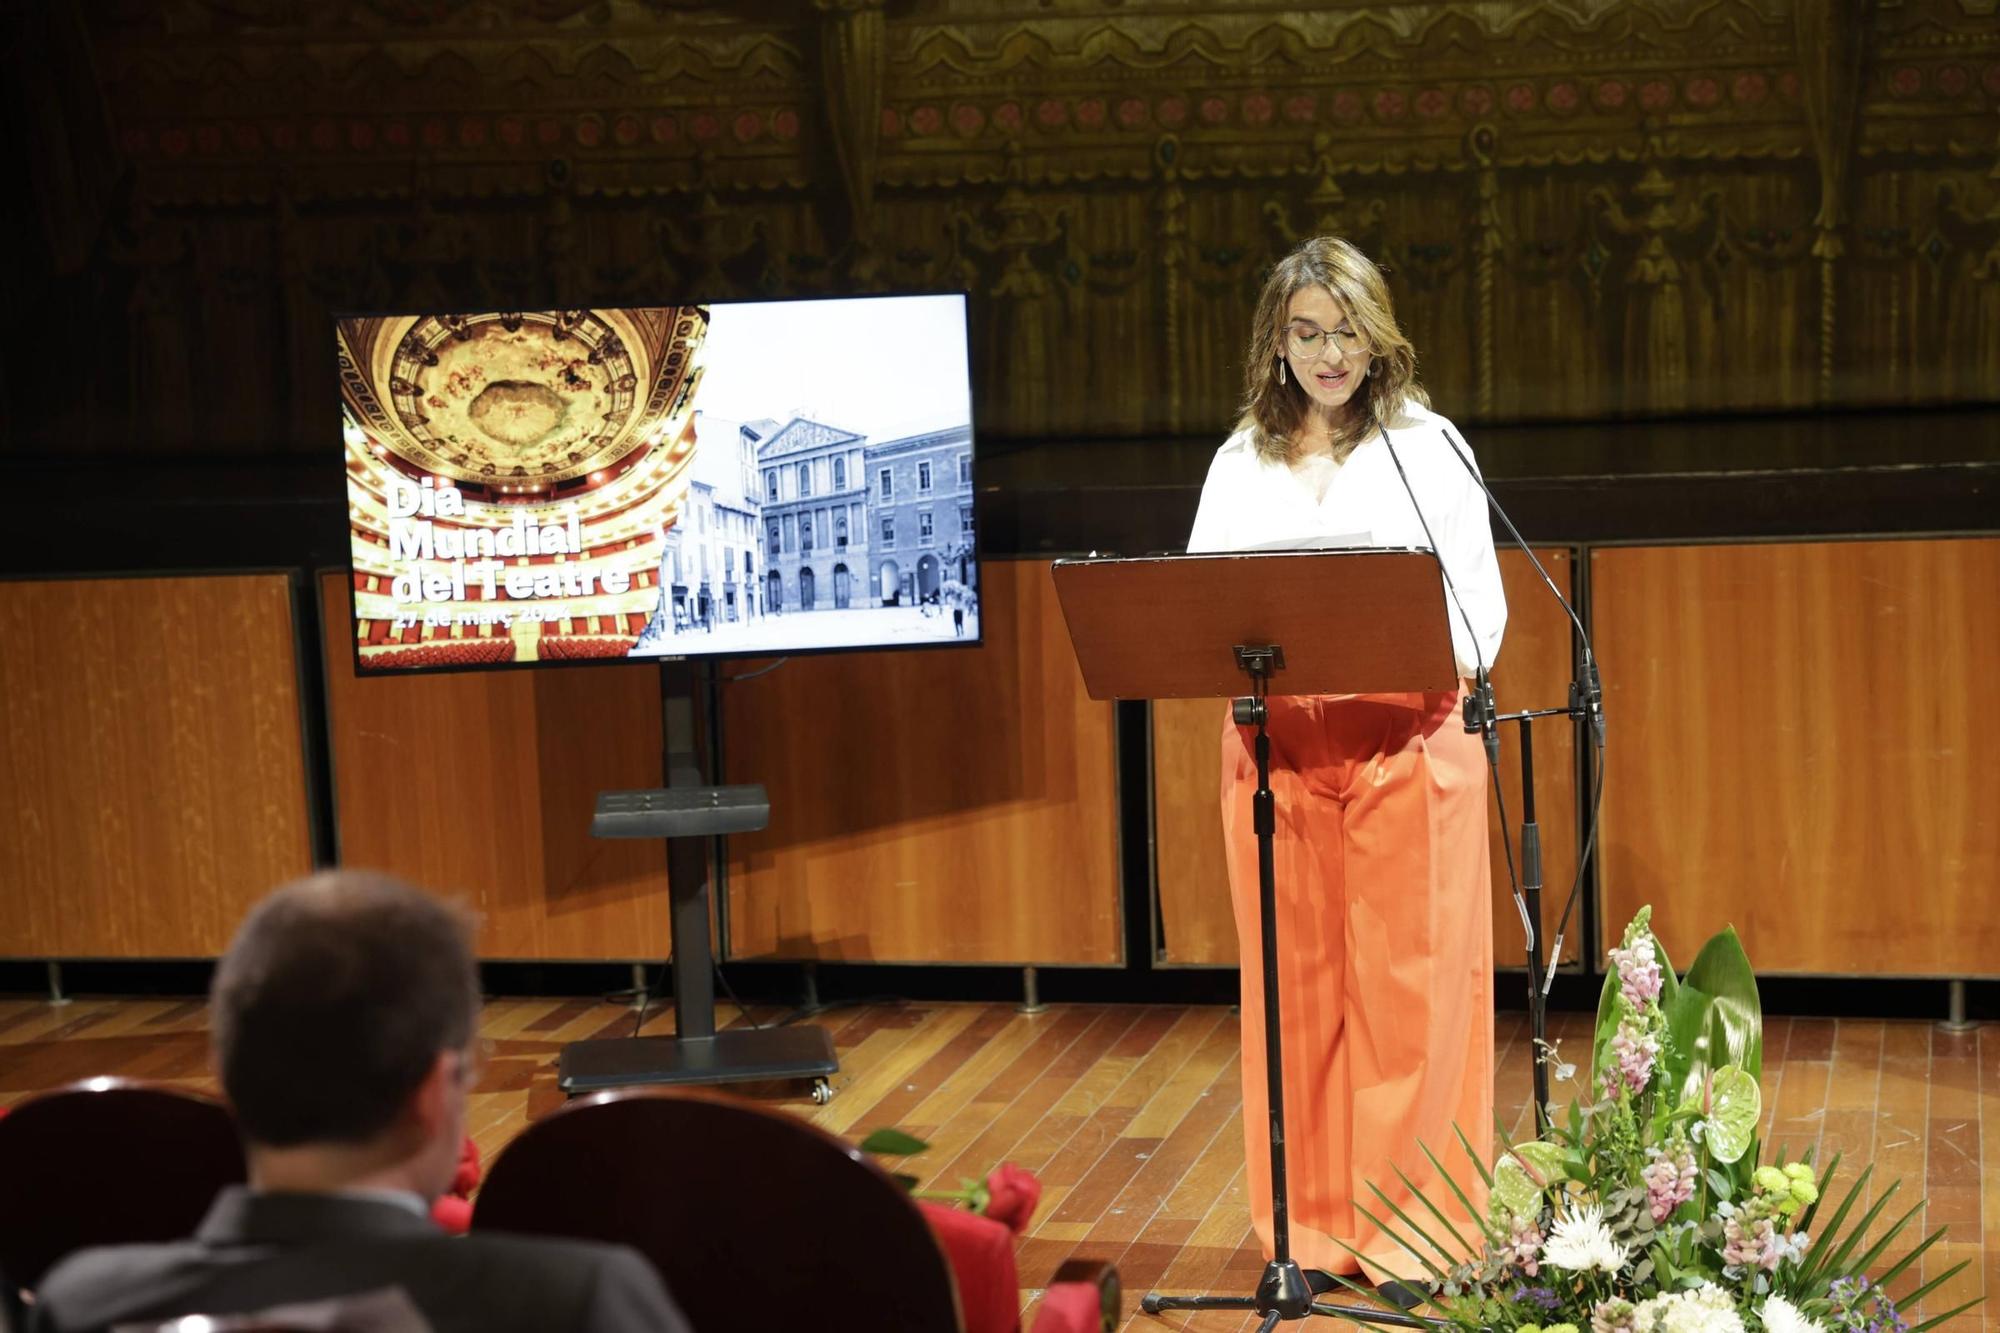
1132,1117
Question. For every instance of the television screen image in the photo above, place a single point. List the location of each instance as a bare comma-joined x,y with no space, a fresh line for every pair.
725,479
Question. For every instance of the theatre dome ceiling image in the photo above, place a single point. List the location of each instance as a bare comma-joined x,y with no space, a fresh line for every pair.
538,401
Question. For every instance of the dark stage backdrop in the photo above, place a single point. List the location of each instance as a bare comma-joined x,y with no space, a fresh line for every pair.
1661,208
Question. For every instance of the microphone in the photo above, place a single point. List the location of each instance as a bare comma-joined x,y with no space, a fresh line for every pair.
1587,690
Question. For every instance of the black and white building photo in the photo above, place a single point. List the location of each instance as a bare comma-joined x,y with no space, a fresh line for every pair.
845,518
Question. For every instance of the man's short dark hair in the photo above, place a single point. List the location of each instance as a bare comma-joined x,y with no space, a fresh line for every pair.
333,1002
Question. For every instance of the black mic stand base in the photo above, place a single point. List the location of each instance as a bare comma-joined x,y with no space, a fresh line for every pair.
1283,1295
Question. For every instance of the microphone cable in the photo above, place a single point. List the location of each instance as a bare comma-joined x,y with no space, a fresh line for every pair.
1488,728
1589,692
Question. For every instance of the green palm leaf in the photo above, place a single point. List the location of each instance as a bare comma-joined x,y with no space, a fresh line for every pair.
1465,1247
1410,1222
1458,1193
1939,1321
1895,1270
1874,1252
1836,1261
1485,1176
1814,1262
1401,1244
1912,1297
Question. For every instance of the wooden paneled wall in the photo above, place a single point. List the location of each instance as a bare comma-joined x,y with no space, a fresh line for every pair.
152,778
482,784
1804,744
1800,745
1533,672
951,805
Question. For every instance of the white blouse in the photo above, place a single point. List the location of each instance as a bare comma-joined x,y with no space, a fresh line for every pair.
1249,504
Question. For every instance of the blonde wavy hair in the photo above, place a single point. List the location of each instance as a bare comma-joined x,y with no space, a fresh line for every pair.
1274,408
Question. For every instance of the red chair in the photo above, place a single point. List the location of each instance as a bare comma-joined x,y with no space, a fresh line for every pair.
111,1161
108,1162
1082,1297
754,1217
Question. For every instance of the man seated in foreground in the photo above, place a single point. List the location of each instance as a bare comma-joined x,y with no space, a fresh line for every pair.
344,1028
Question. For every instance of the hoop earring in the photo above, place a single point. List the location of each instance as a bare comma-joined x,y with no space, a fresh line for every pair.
1281,371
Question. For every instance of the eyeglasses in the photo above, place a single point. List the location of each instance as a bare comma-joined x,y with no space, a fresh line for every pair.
1307,340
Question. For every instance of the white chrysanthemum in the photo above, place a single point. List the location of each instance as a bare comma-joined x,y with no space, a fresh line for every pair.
1581,1243
1706,1309
1781,1316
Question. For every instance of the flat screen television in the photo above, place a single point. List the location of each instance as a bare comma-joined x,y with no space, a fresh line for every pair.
740,478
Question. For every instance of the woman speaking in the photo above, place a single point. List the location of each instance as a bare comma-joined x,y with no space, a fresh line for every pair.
1384,909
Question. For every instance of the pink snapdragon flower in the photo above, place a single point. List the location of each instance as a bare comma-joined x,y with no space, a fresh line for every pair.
1670,1182
1638,972
1523,1248
1635,1050
1754,1244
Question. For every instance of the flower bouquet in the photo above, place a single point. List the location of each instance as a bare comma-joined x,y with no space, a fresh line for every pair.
1646,1209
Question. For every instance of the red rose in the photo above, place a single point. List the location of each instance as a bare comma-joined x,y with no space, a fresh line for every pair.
466,1178
1011,1195
451,1214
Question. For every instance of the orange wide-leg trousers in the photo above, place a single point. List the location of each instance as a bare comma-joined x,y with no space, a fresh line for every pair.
1385,967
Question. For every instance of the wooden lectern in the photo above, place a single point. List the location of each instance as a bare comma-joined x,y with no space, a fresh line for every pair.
1285,623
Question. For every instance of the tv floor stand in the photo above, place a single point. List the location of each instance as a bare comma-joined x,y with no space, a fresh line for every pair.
688,813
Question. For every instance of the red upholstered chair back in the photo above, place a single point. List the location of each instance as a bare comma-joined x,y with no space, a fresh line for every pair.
108,1162
755,1219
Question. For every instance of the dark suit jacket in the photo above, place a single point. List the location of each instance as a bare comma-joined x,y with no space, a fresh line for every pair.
254,1251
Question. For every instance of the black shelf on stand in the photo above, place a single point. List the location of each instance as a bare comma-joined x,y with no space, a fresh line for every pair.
687,813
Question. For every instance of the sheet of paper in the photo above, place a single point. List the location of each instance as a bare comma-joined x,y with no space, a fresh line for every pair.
1338,541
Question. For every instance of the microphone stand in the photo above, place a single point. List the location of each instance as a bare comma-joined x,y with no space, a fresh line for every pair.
1531,901
1585,709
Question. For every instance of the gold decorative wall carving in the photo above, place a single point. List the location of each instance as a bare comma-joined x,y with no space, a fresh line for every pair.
1589,209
